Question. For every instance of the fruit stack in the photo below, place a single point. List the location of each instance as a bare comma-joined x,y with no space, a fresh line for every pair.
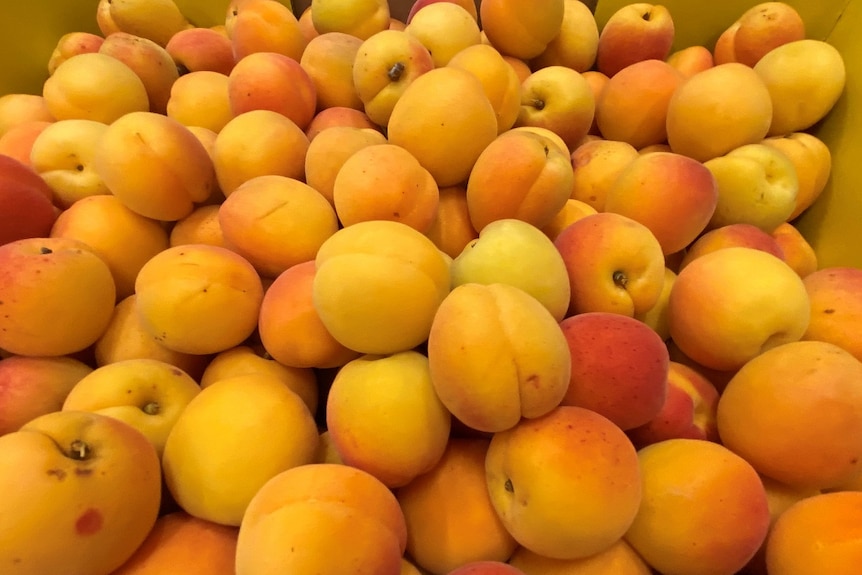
489,289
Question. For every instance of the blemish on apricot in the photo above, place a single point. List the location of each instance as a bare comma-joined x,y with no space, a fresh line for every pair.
89,522
58,473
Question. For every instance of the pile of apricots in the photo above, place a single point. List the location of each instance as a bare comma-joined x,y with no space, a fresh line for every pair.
487,289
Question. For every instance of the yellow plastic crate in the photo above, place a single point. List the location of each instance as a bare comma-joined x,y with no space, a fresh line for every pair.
29,31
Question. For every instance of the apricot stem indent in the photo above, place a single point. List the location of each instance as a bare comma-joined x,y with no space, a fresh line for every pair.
395,71
79,450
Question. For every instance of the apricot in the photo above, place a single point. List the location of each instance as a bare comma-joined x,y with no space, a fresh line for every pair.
322,517
73,472
263,26
17,141
723,51
444,118
272,81
496,321
452,230
182,541
258,143
445,29
804,78
806,432
813,162
397,434
671,194
26,202
306,25
262,419
326,451
723,323
757,184
558,99
201,99
564,507
763,27
57,294
329,59
397,280
385,65
620,367
34,386
545,132
468,5
498,77
198,49
20,108
486,567
705,509
731,235
780,498
514,252
516,28
690,60
729,103
818,534
635,32
576,44
688,410
154,165
449,514
276,222
656,317
538,180
149,60
836,307
596,165
385,182
198,298
94,86
207,137
521,67
614,263
633,104
64,153
795,249
359,18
